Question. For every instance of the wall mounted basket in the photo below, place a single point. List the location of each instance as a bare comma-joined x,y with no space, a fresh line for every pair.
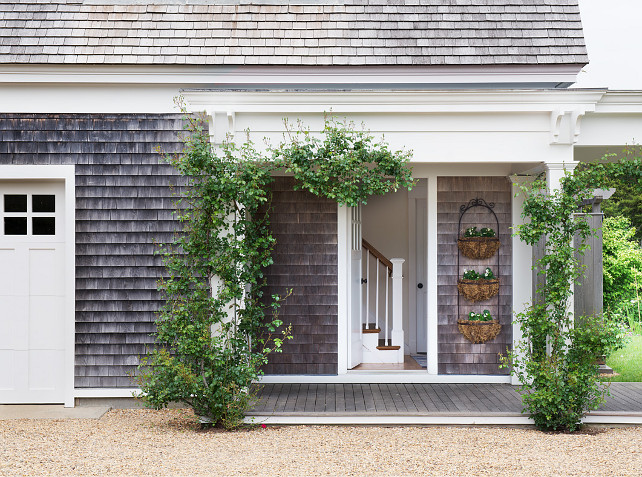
478,247
478,290
479,331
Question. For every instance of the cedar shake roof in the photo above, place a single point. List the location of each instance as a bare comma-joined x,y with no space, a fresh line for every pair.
335,32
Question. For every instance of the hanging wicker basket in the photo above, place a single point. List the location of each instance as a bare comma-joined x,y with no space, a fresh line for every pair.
478,290
478,247
479,331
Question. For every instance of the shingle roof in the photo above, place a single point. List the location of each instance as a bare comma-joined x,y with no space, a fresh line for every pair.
352,32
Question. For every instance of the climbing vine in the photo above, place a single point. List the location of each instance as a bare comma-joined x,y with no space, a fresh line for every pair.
555,362
216,328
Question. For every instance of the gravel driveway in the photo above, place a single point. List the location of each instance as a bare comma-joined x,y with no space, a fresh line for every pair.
144,442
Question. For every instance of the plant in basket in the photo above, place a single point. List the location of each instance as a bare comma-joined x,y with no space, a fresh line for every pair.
478,244
478,287
480,327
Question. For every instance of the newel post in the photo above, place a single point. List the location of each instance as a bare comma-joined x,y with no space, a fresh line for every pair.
397,306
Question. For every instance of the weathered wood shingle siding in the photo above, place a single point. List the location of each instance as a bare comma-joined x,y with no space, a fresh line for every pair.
456,354
305,261
123,204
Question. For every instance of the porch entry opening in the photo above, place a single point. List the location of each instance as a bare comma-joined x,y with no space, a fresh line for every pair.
379,285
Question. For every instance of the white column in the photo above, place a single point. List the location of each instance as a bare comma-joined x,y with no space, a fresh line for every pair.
521,260
397,307
343,297
431,277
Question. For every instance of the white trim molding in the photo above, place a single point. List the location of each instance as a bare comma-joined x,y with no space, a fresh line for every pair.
547,76
384,377
65,173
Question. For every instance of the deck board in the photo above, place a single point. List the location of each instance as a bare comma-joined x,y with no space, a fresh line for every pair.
414,399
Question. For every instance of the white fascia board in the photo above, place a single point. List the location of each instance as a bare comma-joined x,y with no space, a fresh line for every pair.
620,102
551,75
384,377
436,101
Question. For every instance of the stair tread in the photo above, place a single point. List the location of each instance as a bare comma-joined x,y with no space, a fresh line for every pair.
371,330
381,347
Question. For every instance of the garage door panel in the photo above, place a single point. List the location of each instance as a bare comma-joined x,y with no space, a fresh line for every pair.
14,323
44,271
7,362
13,278
46,314
45,371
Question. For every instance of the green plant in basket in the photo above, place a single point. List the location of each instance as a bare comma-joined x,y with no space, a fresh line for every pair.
488,274
486,232
470,275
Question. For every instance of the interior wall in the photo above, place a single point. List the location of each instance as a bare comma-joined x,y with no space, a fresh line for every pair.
385,227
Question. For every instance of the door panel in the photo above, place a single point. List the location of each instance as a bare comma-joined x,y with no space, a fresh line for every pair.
32,292
421,286
356,343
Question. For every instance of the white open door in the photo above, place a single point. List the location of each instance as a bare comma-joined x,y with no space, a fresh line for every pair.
421,287
355,351
32,292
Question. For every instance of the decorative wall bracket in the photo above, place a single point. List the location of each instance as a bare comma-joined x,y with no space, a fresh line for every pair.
222,124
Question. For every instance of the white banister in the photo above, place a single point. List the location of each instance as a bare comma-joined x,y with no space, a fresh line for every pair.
397,305
366,319
386,340
377,297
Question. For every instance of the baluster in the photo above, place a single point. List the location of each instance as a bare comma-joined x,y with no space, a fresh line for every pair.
377,297
386,340
368,281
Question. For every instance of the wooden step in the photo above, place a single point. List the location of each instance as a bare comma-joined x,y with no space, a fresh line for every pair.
369,329
382,346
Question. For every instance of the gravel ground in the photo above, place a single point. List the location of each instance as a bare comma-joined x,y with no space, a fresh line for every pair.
169,442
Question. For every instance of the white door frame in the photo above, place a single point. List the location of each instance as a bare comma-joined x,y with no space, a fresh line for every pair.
65,173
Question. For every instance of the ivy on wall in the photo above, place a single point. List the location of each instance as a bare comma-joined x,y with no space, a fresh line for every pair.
214,332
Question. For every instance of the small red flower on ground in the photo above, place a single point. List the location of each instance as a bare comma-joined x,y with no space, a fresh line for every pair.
263,426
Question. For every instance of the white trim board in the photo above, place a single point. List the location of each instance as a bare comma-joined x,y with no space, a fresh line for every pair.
234,75
383,377
427,420
105,392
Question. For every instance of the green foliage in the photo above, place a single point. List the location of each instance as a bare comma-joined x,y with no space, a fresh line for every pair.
484,316
345,164
470,275
627,200
622,268
555,361
484,232
213,335
626,362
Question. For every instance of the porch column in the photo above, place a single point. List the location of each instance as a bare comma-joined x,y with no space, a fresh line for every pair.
522,261
397,307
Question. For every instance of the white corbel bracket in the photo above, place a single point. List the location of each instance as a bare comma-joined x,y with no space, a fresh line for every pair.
565,125
222,125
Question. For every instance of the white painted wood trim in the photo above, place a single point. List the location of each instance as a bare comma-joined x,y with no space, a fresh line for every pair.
343,302
203,75
384,377
67,174
401,420
522,261
105,392
411,332
431,278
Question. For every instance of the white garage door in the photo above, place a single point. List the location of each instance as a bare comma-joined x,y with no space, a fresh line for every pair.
32,324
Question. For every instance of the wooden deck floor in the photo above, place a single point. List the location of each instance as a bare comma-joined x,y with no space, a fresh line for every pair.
415,399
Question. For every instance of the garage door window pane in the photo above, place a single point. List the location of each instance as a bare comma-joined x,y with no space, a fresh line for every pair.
15,225
44,226
15,203
44,203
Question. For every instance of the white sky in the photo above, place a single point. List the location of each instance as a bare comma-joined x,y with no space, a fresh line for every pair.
613,32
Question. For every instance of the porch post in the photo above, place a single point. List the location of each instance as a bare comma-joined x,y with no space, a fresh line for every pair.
522,262
397,307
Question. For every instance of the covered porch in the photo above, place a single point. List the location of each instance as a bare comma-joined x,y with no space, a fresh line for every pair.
420,404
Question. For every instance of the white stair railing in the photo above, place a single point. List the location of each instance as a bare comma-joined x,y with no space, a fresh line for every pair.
386,295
